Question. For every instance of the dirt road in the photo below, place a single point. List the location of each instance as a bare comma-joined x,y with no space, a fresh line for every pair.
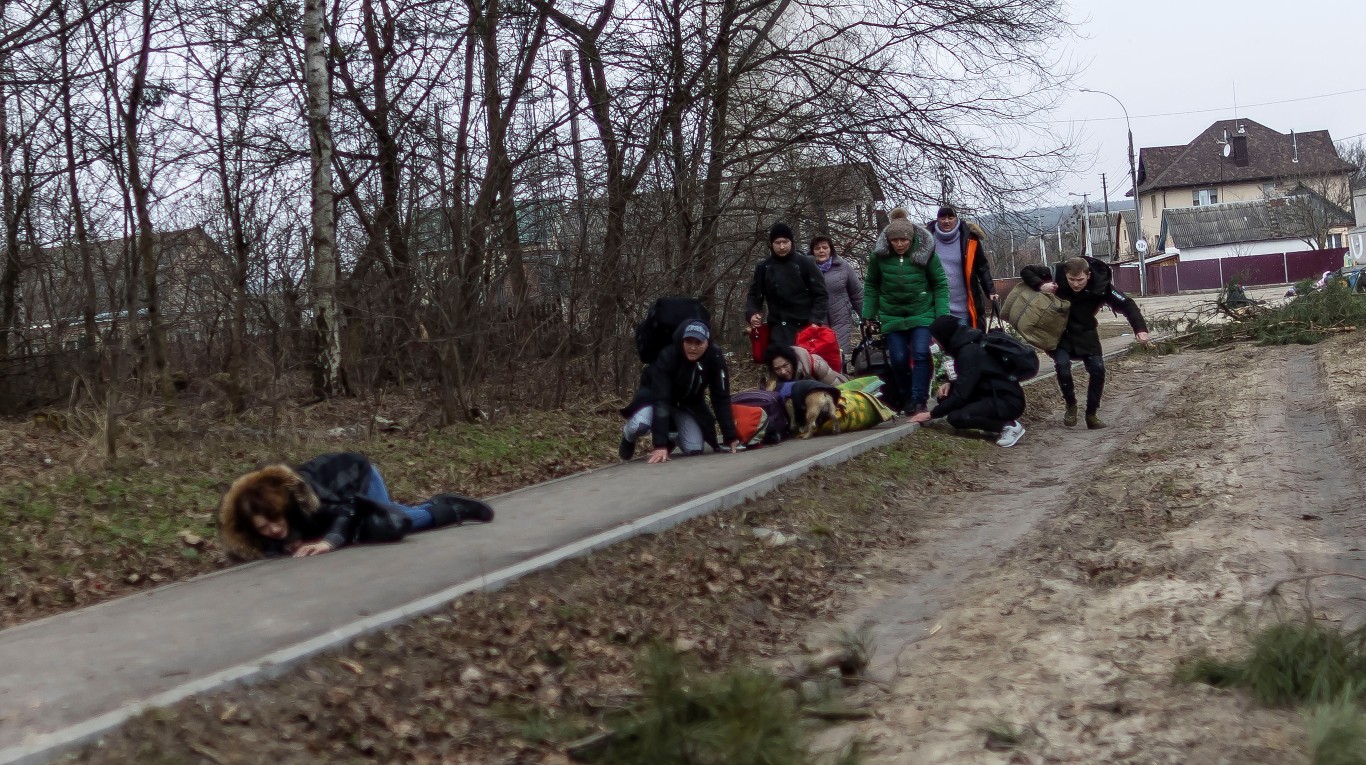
1054,600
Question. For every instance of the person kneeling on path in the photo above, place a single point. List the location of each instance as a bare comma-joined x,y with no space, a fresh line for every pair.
984,396
326,503
670,403
1085,283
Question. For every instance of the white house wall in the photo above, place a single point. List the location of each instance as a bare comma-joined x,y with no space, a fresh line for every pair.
1274,246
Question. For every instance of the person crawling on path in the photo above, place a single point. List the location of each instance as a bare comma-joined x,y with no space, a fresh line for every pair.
670,403
984,396
793,362
1085,283
324,504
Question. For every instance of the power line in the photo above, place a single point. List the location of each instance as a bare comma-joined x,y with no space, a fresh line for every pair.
1216,109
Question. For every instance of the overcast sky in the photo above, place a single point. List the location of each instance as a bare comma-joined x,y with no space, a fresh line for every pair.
1296,65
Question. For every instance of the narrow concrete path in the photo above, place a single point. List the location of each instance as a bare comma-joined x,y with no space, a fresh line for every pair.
70,677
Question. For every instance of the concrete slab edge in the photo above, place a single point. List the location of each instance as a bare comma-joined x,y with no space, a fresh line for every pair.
45,748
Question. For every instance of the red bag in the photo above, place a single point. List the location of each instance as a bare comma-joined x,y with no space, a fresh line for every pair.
751,422
822,342
758,342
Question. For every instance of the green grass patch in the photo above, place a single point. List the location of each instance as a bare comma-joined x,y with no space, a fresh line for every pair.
1291,663
739,717
1337,733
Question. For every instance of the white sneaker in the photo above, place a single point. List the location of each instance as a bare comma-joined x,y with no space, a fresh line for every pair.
1010,435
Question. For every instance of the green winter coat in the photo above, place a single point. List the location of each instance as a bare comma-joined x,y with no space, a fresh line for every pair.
902,295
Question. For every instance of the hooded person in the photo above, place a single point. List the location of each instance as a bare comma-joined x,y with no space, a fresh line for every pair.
983,395
671,402
324,504
793,362
959,245
844,288
792,287
905,290
1086,284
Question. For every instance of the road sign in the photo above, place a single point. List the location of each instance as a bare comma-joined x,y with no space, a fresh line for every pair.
1141,246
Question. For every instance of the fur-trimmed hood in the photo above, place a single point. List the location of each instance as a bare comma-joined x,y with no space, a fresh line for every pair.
276,490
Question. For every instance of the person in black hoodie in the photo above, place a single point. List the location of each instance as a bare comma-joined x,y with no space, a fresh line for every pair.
793,287
326,503
983,396
1085,283
670,403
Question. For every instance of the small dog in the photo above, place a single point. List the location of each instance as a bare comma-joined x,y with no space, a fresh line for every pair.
820,408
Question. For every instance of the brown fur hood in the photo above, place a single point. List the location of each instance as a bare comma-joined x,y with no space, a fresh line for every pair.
274,490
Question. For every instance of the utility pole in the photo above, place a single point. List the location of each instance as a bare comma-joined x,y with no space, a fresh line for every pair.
1086,224
1138,202
1109,227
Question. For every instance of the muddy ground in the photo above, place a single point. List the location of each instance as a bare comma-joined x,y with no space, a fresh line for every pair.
1055,601
1046,592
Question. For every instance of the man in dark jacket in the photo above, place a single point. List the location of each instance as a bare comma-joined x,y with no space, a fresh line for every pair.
1085,283
983,396
961,251
792,286
670,403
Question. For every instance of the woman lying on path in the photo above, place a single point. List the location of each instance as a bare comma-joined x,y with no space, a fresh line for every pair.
326,503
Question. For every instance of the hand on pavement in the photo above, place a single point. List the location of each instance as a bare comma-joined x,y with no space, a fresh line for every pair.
1142,338
920,417
657,456
314,548
735,446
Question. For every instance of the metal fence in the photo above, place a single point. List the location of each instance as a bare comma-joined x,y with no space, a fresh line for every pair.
1246,270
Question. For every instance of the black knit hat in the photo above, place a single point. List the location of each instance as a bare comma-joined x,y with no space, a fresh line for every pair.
942,329
781,230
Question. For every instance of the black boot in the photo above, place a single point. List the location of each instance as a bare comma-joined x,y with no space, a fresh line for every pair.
453,510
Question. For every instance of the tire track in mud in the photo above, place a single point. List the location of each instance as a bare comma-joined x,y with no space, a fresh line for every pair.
1020,486
1065,604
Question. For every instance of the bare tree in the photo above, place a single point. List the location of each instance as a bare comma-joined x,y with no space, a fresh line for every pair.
329,376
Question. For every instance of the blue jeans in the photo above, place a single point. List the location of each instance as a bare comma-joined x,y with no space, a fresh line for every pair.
376,490
913,380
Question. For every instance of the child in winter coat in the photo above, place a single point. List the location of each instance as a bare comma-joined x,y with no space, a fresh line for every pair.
324,504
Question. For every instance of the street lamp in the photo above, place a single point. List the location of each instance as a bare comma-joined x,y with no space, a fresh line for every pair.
1138,206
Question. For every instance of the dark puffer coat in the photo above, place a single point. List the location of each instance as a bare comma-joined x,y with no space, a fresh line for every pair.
1080,338
980,376
321,499
794,289
680,385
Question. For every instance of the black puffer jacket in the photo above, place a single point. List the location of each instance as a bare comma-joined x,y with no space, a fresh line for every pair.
680,385
1080,338
321,499
980,375
794,289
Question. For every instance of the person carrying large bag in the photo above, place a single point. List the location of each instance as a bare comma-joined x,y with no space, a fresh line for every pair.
1039,317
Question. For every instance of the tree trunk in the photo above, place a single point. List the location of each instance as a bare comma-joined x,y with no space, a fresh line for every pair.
329,377
9,277
89,298
232,214
142,205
